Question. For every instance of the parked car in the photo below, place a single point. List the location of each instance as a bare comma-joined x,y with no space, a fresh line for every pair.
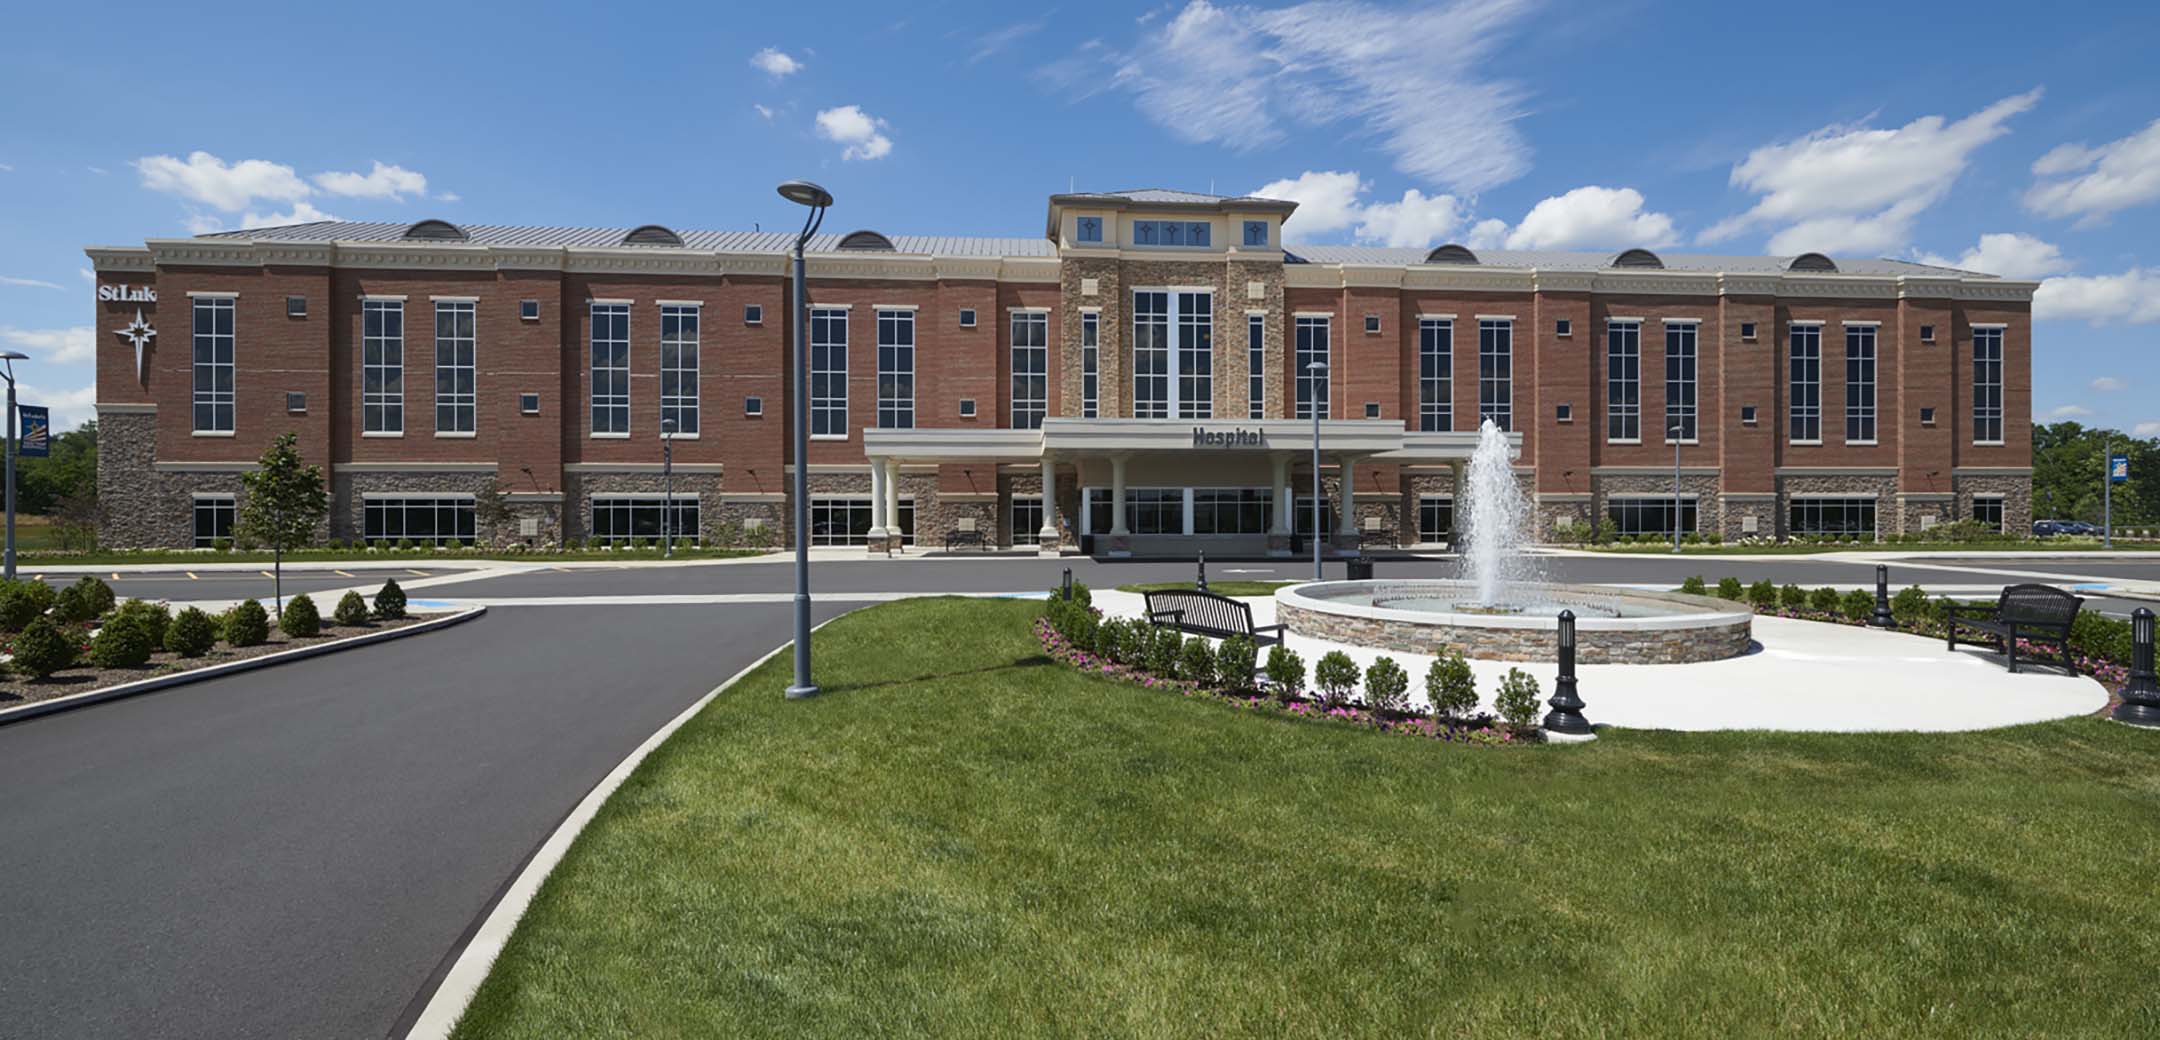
2080,527
2047,528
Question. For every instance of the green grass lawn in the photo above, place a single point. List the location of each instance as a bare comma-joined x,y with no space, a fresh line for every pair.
1221,588
961,838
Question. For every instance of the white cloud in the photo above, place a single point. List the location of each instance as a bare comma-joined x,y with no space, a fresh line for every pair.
1855,189
87,277
762,111
1592,217
5,168
2070,411
382,182
206,179
301,213
998,39
70,408
2108,384
59,346
861,132
1242,77
1330,201
449,196
2008,254
28,283
1490,233
2111,177
99,170
1417,220
2146,429
2132,296
776,63
203,223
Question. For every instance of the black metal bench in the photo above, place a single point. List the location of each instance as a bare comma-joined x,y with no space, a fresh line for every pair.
957,536
2042,613
1207,614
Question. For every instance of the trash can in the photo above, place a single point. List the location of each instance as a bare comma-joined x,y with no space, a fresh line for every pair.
1361,569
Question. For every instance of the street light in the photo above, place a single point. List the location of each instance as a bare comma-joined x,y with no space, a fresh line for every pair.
1672,433
667,488
7,367
1314,403
816,199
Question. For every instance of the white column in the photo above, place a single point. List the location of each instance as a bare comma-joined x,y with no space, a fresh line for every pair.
1117,496
879,519
1188,512
892,499
1348,524
1049,533
1282,495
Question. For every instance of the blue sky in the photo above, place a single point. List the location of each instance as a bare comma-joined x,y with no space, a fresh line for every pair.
1997,136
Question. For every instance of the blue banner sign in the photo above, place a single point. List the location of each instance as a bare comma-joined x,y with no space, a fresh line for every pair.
35,440
2119,469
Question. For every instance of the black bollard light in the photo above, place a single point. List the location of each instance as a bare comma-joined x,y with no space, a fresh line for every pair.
1882,618
1566,718
1066,586
2141,698
1201,582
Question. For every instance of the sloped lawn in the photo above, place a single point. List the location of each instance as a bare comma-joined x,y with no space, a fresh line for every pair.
961,838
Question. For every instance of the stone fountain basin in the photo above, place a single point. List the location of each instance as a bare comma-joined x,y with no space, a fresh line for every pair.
1612,626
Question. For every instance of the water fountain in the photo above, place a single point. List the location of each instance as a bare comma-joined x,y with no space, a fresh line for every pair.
1499,607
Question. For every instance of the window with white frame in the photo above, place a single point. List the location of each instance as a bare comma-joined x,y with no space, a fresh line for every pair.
1231,510
896,370
1155,510
1030,369
1027,519
1803,384
1256,363
1680,360
1436,374
213,365
828,372
1650,515
1988,510
1860,384
1496,372
1195,354
1849,517
620,519
1151,354
846,521
1310,347
429,520
382,366
1435,518
1987,392
611,369
456,376
214,516
679,330
1173,377
1090,363
1623,381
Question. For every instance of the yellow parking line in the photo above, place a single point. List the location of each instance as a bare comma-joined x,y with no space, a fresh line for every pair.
116,575
267,574
191,576
344,574
420,573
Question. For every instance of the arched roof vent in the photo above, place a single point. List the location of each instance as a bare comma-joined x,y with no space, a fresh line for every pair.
867,239
1451,254
652,235
1638,258
1811,262
436,231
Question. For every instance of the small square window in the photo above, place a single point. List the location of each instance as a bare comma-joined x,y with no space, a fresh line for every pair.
1927,416
753,314
1372,409
1196,234
1927,333
1563,327
529,404
528,310
296,402
1563,413
967,317
1747,330
1747,414
753,407
1087,229
296,306
1372,324
967,408
1256,232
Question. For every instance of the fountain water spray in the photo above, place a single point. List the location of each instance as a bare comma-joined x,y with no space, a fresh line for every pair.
1497,523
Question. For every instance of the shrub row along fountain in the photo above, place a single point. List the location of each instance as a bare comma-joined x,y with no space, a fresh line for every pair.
1499,608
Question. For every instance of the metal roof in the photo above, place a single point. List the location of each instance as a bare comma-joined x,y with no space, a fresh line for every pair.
607,238
1555,260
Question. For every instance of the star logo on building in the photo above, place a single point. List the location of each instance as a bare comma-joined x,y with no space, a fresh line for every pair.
138,333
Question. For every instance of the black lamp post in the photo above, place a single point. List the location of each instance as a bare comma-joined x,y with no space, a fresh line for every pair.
1316,403
1201,581
1882,618
2141,698
817,200
7,369
1566,718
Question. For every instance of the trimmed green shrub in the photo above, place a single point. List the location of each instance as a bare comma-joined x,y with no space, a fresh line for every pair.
21,601
1694,586
1109,639
1387,686
247,624
405,545
1518,699
390,601
1910,606
1793,598
1730,588
1335,675
1823,600
1285,672
300,619
1450,686
2096,635
1163,647
1196,662
1762,595
191,634
1234,661
156,615
1857,605
124,641
43,649
97,593
351,611
73,606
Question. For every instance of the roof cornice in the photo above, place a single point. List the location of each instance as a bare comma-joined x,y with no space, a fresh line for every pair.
224,252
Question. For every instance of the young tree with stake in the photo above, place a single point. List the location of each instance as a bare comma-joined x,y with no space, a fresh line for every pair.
284,503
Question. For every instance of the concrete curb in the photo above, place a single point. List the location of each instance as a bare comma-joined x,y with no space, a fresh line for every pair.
162,682
459,984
